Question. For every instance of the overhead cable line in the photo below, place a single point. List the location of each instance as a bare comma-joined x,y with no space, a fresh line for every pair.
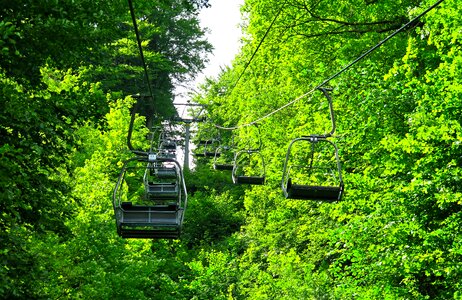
267,115
344,69
140,47
258,47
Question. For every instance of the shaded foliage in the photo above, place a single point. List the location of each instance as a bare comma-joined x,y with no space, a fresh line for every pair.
56,119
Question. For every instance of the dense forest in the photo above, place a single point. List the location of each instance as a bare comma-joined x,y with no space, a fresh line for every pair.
69,68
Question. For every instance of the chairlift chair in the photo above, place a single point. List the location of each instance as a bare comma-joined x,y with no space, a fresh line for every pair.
224,156
224,159
331,189
168,144
249,163
166,141
161,182
165,172
207,148
160,215
166,148
326,191
242,161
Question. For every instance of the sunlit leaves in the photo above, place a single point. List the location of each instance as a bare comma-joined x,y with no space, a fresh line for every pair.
396,234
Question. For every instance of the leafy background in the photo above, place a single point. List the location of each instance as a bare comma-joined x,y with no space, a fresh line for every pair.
67,69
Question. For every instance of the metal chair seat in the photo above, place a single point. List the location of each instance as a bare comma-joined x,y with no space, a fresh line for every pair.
311,192
256,180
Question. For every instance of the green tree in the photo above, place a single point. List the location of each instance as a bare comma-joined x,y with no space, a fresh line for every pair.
395,234
51,56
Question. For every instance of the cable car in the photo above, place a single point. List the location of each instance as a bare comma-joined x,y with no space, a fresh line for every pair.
316,173
149,202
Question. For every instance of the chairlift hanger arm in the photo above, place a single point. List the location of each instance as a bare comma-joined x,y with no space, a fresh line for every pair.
130,129
259,138
130,132
259,141
326,91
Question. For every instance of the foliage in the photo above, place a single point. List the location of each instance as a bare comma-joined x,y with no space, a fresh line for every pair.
396,233
63,136
65,72
37,128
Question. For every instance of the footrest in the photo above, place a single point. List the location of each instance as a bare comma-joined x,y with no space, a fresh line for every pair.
135,215
149,234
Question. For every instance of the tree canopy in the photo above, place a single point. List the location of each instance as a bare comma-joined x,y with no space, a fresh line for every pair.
67,73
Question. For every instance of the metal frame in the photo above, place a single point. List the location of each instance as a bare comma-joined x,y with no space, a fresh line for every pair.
220,152
156,220
327,193
206,145
242,179
286,172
